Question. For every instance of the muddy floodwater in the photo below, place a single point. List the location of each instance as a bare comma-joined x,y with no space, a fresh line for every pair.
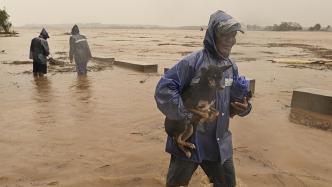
105,130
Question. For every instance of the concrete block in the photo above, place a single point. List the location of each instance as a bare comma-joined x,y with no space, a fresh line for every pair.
146,68
314,100
102,59
137,66
252,85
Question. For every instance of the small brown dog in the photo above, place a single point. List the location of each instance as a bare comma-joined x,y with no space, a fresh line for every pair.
200,100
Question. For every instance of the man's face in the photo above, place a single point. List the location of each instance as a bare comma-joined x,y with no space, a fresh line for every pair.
225,43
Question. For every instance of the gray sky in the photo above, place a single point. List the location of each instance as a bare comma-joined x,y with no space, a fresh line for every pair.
167,12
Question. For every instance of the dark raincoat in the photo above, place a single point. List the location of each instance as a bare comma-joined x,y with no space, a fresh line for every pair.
39,49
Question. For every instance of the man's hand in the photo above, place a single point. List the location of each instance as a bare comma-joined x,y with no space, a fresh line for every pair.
199,113
237,108
213,116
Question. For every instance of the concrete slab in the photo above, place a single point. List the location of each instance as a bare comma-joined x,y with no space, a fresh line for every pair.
137,66
252,85
314,100
104,59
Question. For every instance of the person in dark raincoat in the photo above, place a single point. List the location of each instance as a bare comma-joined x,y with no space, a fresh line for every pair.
213,141
79,50
39,51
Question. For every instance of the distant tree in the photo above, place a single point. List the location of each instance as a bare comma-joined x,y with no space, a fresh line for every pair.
328,28
5,24
287,26
317,27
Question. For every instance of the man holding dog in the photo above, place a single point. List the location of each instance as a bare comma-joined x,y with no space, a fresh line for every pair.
213,141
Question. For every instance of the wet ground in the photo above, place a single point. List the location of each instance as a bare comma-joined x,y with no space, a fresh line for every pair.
105,130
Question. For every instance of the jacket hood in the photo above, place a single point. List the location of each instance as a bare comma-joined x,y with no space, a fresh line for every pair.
75,30
220,23
44,34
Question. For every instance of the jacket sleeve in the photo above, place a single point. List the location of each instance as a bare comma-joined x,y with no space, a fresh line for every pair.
235,77
31,51
88,50
71,48
46,49
169,89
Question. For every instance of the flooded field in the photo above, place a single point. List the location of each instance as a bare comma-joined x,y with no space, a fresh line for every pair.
105,130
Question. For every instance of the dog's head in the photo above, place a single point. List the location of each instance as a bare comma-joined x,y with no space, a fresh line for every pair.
213,75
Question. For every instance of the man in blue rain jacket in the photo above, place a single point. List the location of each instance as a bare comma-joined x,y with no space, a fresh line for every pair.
213,141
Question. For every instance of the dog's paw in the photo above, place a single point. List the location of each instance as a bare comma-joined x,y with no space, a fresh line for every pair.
188,154
191,146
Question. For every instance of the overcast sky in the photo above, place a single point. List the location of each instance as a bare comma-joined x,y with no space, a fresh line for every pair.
166,12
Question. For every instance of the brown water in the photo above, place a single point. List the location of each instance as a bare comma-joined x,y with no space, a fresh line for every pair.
105,130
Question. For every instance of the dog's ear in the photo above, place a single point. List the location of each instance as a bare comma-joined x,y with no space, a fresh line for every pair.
225,67
203,71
